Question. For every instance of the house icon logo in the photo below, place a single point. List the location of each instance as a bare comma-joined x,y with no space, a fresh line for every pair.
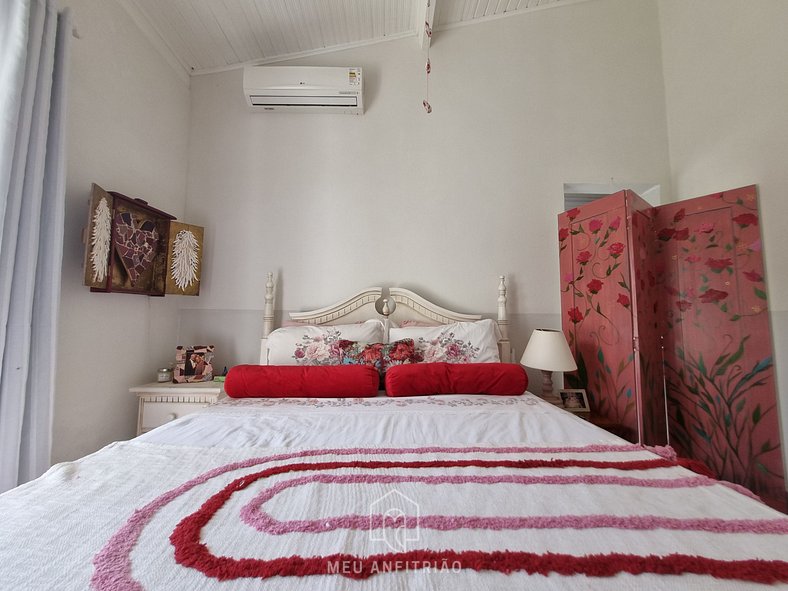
394,520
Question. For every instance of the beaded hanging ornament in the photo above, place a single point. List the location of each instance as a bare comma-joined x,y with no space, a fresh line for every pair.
427,68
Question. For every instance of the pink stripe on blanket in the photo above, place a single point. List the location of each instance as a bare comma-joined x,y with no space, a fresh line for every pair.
253,515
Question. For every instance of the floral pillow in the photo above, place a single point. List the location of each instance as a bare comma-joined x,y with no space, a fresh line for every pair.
461,342
319,349
318,345
381,356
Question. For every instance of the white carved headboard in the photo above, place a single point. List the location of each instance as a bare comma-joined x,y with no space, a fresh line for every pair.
362,306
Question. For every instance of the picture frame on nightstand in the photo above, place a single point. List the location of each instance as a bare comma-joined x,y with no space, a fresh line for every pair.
574,400
193,363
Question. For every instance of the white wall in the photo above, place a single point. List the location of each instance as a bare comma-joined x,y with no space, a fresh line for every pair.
440,203
726,88
127,131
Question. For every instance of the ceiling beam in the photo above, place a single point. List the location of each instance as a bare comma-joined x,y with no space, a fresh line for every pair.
425,13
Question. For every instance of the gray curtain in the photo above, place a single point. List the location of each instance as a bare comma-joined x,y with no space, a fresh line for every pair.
34,47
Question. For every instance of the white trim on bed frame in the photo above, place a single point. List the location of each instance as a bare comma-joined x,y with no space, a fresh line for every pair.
427,309
342,308
407,305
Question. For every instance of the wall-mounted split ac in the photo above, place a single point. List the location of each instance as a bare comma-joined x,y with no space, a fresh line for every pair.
304,89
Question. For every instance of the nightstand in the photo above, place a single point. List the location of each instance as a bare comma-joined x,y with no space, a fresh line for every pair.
162,402
612,426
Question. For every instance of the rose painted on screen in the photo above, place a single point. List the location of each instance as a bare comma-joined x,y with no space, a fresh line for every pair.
616,249
583,257
615,223
718,265
575,315
693,258
682,234
683,305
573,213
705,228
595,225
680,215
594,286
712,296
746,219
623,299
756,246
666,234
753,276
563,234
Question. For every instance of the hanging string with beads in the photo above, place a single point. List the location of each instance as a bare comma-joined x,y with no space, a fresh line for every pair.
428,66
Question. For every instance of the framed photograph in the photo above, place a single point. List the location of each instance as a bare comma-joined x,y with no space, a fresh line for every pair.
574,400
193,364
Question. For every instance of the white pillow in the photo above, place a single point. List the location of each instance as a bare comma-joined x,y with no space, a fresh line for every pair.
318,345
461,342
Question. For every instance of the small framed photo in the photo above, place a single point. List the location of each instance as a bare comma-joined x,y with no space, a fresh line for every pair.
193,364
574,400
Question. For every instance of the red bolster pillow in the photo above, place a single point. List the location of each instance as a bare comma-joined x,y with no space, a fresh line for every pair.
422,379
296,381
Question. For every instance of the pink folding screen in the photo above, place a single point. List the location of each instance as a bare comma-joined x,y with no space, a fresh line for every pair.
669,304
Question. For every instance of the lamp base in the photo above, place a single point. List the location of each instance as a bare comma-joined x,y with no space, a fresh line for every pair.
548,395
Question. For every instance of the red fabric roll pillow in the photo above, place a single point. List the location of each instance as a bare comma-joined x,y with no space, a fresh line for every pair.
298,381
422,379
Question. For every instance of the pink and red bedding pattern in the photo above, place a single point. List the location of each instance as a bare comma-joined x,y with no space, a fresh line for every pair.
581,471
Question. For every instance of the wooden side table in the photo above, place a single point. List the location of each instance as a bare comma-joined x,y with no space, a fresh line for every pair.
611,425
160,403
605,423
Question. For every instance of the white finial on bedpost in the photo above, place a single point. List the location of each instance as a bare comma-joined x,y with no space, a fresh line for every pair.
503,322
268,318
385,306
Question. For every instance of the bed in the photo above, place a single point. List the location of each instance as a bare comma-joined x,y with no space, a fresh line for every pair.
455,491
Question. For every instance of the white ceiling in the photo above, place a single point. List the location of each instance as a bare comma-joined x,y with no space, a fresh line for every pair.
200,36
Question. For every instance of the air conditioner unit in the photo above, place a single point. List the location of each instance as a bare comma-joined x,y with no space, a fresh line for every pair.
304,89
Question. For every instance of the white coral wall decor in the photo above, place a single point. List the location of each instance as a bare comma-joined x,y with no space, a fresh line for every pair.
185,259
100,242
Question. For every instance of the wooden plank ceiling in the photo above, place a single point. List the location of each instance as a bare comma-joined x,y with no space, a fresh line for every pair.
209,35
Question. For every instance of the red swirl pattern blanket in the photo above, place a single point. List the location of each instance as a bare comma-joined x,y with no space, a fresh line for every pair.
594,511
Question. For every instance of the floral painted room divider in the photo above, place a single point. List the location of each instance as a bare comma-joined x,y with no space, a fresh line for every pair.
665,310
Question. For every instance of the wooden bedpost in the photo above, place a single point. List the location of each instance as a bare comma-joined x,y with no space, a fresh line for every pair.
503,322
268,318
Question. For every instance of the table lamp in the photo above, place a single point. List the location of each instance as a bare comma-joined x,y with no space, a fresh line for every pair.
548,351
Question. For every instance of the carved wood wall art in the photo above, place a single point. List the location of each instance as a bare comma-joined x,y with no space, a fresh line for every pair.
126,248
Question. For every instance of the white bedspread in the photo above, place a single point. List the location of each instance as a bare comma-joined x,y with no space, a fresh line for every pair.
122,503
381,421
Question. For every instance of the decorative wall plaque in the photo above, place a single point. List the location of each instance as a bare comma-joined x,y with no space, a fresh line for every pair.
184,259
126,247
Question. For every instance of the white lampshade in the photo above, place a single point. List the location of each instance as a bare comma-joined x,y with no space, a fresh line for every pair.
548,350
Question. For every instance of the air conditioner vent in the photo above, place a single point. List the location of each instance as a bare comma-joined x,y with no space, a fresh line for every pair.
304,89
